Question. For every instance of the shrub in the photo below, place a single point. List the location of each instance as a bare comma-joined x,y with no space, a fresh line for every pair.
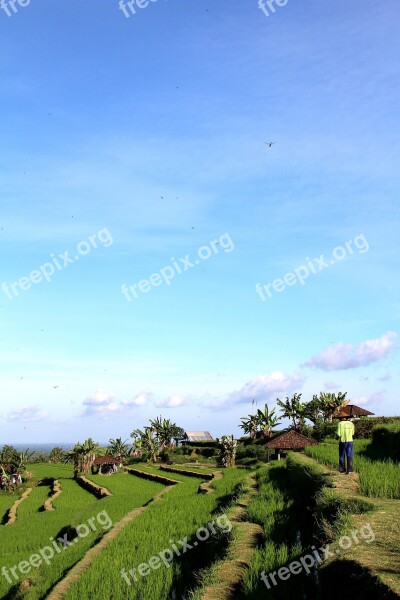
364,428
386,441
321,430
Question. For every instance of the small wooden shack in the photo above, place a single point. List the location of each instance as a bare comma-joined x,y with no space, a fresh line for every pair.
289,440
352,411
106,465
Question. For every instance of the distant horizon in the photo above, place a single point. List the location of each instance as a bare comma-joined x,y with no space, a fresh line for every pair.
128,438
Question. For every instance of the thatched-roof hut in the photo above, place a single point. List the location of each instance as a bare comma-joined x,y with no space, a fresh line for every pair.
352,411
289,440
105,465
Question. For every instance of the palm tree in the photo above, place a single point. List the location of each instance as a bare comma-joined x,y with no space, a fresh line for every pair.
267,420
89,449
74,456
119,449
178,434
250,425
313,410
82,456
165,431
23,459
150,443
293,409
8,454
56,455
325,406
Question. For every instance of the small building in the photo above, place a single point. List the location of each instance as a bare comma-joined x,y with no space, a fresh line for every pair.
106,465
198,436
352,411
288,440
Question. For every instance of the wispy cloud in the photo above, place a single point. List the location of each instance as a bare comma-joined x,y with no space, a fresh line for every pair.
265,387
27,414
103,404
349,356
140,399
173,401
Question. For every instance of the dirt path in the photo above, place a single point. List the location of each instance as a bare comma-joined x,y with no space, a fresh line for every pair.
48,505
12,513
229,573
381,556
63,586
206,487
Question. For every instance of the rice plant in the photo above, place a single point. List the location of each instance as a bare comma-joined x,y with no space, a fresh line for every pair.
378,478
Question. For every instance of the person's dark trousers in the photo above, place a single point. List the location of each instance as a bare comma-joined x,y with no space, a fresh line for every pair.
346,452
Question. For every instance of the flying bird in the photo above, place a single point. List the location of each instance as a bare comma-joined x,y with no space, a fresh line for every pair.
270,144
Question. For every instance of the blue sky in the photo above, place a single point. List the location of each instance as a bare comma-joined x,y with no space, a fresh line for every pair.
147,135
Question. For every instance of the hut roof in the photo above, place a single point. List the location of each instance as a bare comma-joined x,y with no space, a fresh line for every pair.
290,440
198,436
351,410
107,460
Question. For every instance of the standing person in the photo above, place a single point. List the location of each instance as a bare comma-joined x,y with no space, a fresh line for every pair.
345,433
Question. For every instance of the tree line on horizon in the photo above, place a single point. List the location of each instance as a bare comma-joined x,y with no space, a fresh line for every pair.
162,434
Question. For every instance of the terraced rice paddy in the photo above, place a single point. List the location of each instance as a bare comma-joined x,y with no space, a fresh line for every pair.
75,506
142,541
378,478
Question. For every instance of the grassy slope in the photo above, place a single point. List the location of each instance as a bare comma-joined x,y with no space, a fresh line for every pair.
381,557
73,507
178,515
378,479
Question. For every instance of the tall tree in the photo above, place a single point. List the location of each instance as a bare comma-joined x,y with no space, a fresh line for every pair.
119,449
267,420
294,410
56,455
324,406
249,425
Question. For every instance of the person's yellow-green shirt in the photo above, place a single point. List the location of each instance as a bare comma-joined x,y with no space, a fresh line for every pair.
345,431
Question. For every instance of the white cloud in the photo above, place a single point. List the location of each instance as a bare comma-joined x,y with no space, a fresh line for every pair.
139,400
99,398
26,414
101,404
264,388
349,356
172,402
